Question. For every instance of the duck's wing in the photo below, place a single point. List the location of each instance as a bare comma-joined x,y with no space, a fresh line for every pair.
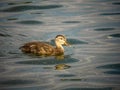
45,49
39,48
28,46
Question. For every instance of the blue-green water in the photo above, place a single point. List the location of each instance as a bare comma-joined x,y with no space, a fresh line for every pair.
92,28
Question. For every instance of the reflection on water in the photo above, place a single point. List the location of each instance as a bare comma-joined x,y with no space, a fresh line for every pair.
61,66
112,69
18,3
15,82
92,27
88,89
115,35
116,3
104,29
110,14
31,22
24,8
48,61
71,22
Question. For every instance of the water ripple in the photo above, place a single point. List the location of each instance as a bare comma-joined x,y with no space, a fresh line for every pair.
65,75
10,19
48,61
15,82
116,3
110,66
106,88
18,3
71,22
109,14
76,79
104,29
113,72
5,35
31,22
115,35
25,8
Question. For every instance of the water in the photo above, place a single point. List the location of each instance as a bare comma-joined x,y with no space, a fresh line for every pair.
92,28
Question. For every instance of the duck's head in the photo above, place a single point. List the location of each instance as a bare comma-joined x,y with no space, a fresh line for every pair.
61,40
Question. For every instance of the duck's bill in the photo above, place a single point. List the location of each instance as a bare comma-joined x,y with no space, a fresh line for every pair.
67,44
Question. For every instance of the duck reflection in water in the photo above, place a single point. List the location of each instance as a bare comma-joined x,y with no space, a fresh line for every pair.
62,66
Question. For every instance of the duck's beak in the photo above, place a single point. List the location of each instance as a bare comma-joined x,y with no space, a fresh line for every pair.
67,44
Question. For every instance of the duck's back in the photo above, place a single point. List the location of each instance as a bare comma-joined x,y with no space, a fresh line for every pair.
39,48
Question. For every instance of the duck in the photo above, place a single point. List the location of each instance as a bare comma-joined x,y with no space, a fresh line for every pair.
42,48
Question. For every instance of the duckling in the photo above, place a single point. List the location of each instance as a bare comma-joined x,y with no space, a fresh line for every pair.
42,48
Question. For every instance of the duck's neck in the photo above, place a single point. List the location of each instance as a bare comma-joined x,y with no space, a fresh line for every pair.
59,48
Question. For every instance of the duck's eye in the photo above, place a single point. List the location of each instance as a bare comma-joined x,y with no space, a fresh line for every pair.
61,39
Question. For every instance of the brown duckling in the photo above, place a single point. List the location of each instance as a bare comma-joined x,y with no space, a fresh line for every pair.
42,48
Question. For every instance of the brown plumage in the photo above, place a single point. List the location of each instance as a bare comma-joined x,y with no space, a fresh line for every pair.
41,48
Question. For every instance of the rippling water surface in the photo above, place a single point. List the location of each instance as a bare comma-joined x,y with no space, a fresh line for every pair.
92,28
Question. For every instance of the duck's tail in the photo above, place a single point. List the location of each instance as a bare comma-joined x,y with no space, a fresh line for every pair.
24,49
